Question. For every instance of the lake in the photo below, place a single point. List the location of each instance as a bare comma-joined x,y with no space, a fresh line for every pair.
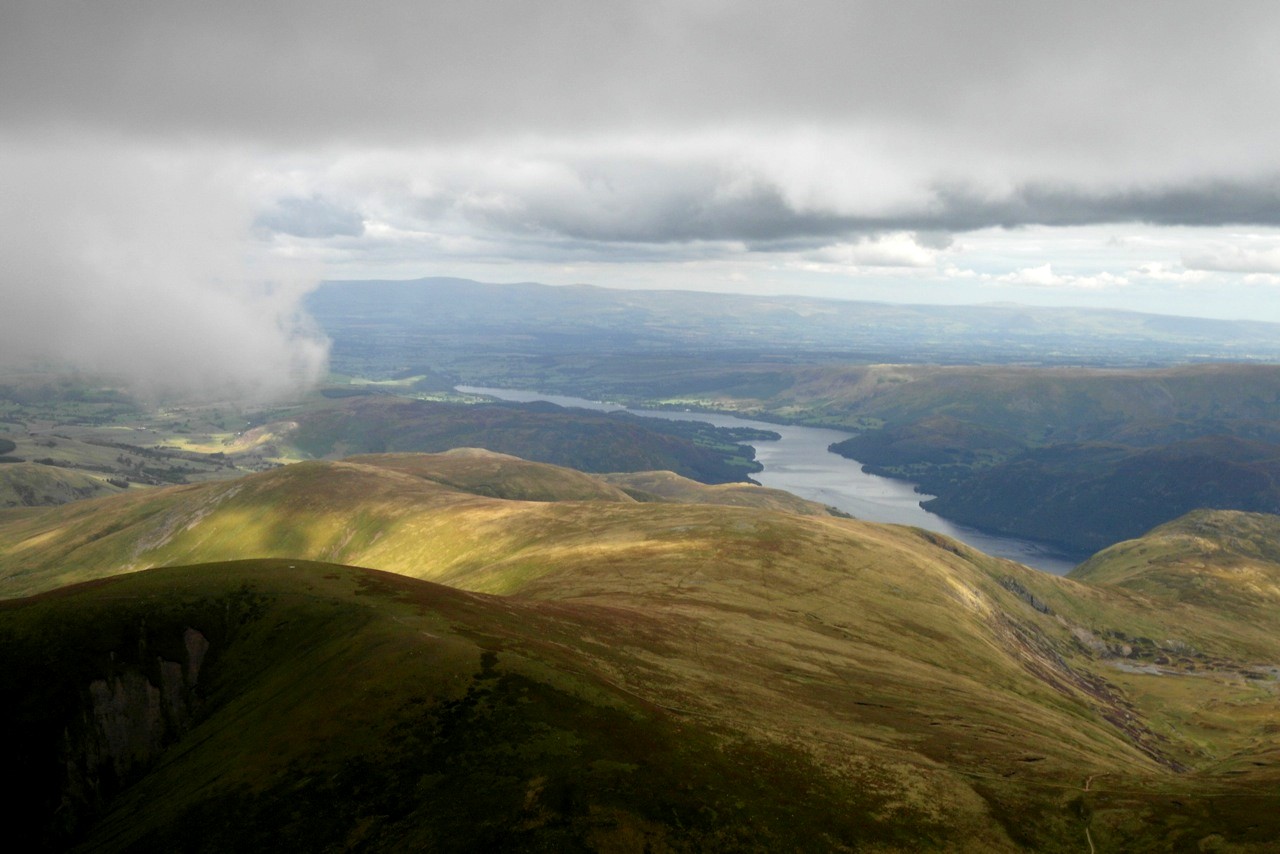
800,463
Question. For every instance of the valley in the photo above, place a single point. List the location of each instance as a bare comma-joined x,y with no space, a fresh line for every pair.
401,613
639,428
1070,456
801,461
1030,441
68,440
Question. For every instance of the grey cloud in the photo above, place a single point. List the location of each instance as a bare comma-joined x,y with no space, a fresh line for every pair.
658,203
1076,76
1198,202
133,265
663,206
934,239
924,117
1031,95
310,217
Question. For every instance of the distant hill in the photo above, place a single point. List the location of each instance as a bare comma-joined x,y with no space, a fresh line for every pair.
1011,426
1078,458
697,676
379,324
582,439
669,486
1217,560
27,484
67,450
1090,496
439,516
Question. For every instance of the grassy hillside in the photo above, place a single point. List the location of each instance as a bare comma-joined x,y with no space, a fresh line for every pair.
311,707
495,475
1223,560
438,516
874,684
669,486
24,484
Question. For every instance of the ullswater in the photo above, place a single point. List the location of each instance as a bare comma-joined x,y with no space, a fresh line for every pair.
800,463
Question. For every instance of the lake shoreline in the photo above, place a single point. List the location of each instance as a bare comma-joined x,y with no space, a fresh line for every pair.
800,462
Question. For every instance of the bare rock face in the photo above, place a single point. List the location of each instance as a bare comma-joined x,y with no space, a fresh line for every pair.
197,646
126,724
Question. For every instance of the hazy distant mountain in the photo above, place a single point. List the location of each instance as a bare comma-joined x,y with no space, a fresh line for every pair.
440,314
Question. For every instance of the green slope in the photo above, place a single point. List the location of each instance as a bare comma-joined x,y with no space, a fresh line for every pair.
311,706
483,472
1220,562
340,708
971,700
669,486
25,484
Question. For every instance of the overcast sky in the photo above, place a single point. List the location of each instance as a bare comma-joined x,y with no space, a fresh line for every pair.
161,160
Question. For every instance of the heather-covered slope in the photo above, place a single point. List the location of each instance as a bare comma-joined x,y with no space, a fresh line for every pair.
1219,561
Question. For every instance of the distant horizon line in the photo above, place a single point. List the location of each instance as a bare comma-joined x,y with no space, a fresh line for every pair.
807,297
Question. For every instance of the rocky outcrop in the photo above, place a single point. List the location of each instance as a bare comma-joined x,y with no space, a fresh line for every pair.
128,719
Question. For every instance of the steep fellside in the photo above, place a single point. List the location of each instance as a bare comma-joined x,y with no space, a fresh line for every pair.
1214,576
274,706
1086,497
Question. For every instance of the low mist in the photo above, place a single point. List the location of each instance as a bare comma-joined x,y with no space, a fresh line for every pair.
138,262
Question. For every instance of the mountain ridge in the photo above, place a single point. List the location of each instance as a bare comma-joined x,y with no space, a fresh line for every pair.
720,320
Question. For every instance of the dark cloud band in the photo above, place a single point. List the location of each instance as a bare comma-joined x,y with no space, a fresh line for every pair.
763,217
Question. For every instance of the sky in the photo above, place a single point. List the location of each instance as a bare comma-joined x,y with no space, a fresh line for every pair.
178,174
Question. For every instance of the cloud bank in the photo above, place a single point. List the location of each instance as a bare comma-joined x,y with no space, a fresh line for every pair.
826,137
136,264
